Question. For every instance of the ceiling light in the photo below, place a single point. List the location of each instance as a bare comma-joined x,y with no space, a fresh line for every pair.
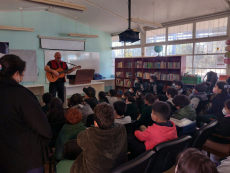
146,23
14,28
82,35
61,4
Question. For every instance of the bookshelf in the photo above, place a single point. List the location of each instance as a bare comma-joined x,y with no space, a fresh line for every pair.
165,68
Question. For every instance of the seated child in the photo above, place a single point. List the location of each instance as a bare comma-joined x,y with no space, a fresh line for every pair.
194,161
153,85
56,111
171,93
179,85
184,117
140,101
161,97
69,131
138,84
76,101
47,97
102,97
222,128
162,130
125,96
112,96
104,146
132,109
119,110
90,97
145,118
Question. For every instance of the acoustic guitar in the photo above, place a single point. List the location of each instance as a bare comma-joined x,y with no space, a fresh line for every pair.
52,78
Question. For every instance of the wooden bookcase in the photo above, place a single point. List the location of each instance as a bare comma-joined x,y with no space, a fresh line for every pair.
128,66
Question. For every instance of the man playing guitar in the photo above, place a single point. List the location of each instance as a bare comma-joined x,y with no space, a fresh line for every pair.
51,67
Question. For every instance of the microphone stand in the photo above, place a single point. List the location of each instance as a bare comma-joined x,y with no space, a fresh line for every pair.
70,63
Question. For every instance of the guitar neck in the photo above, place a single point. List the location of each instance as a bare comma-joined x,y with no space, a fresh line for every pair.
65,71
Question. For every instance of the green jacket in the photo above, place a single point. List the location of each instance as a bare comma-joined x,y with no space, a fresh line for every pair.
67,132
145,118
132,111
185,112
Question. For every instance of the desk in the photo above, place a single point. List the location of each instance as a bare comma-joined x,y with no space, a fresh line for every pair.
109,82
73,89
38,90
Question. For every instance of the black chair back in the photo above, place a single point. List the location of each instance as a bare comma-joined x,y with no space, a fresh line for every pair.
71,150
145,85
90,120
141,164
55,128
167,153
203,134
130,127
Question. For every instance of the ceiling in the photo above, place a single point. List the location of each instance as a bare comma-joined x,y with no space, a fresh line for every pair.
111,15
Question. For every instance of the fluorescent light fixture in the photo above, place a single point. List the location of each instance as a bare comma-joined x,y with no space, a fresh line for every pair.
14,28
61,4
146,23
82,35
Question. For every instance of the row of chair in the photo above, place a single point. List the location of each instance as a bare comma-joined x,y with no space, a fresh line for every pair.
158,160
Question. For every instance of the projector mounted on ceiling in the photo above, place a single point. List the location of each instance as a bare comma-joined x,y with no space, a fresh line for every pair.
129,35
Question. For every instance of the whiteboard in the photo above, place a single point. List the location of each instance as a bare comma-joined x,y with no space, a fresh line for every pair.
30,57
87,60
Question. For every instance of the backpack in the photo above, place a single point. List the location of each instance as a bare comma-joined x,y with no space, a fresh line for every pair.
212,78
97,76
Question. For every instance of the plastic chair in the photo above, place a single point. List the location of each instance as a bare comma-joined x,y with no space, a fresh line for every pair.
141,164
167,153
55,128
90,120
71,150
203,134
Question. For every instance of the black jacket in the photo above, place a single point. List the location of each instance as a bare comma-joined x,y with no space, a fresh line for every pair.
24,129
92,102
132,111
217,105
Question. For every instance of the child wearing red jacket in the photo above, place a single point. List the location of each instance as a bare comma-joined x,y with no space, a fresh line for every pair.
147,138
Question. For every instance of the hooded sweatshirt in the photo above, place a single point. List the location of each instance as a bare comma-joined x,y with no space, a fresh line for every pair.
195,98
184,116
111,99
92,102
103,150
156,134
85,110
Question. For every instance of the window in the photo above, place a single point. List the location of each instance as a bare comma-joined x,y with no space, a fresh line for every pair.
115,42
157,35
135,52
149,51
211,28
180,49
180,32
210,47
118,53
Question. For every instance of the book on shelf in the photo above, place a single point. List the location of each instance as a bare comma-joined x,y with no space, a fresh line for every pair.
173,65
128,74
119,74
138,74
119,82
158,75
147,75
119,65
138,64
127,82
161,64
147,65
171,77
163,77
120,91
129,65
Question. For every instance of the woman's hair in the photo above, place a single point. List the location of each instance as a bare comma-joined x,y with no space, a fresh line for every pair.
56,110
227,103
113,92
75,100
194,161
181,101
139,99
172,91
73,116
150,98
223,86
10,64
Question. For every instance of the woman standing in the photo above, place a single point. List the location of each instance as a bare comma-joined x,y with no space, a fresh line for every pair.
24,129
